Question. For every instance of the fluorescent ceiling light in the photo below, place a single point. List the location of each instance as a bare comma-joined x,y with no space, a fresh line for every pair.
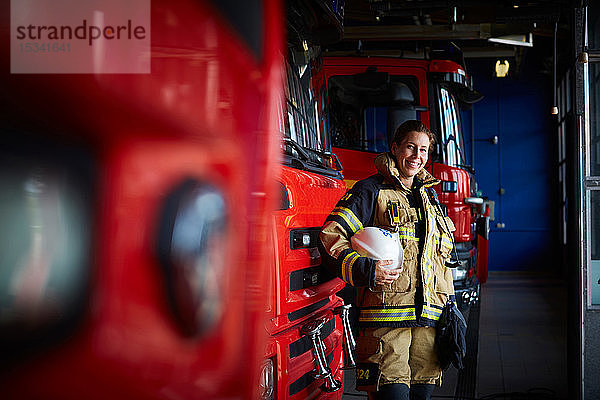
514,40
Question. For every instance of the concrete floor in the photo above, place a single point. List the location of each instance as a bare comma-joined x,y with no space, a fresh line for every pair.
521,346
523,336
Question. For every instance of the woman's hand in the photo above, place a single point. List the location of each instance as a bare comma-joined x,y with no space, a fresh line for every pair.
384,275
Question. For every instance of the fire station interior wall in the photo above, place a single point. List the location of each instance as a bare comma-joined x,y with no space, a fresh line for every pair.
591,326
517,173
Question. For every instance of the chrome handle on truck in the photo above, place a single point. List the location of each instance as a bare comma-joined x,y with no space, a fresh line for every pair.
312,329
349,341
474,201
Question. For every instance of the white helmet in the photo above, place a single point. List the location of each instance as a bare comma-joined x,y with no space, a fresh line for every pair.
379,244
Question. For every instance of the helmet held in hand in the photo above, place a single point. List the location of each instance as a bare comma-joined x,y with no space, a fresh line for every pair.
378,244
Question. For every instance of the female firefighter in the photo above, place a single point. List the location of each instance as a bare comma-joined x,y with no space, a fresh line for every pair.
397,308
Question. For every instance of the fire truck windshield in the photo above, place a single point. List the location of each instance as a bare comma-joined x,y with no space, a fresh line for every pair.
305,144
450,130
363,117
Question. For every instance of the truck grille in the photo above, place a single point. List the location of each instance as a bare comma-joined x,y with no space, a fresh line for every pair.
301,383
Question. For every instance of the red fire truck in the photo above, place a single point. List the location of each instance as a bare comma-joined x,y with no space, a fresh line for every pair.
368,97
135,212
305,357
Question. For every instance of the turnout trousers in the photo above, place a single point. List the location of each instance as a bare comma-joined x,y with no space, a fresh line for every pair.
396,355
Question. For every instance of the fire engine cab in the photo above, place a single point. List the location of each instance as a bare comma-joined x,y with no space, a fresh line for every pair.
310,341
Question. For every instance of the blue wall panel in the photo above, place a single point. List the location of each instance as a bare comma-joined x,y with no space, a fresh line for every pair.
521,164
522,251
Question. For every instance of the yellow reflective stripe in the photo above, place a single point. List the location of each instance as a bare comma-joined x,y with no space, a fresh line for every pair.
408,234
427,266
347,196
407,230
431,312
387,319
352,227
387,310
409,237
349,217
447,241
444,241
347,267
352,216
388,315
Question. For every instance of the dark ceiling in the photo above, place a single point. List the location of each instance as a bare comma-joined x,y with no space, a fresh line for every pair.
412,27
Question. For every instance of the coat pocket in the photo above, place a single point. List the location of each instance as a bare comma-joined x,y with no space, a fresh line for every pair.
400,285
443,281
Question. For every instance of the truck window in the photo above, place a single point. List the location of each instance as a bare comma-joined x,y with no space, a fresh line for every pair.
376,127
323,125
450,130
364,117
304,145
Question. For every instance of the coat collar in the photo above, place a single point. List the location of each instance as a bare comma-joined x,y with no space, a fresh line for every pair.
385,163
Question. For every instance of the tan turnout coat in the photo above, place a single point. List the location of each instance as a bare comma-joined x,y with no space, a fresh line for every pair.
416,298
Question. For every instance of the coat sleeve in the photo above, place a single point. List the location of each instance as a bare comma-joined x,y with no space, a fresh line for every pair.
353,212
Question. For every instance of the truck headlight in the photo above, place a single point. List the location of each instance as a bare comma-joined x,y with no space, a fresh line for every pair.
191,249
266,382
458,274
46,209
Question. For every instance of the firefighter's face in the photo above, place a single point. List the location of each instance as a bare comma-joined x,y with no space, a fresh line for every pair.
411,154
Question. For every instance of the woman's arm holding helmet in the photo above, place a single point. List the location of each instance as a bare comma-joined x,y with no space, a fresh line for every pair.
351,214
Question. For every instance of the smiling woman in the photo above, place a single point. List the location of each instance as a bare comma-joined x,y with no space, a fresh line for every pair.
397,308
411,146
